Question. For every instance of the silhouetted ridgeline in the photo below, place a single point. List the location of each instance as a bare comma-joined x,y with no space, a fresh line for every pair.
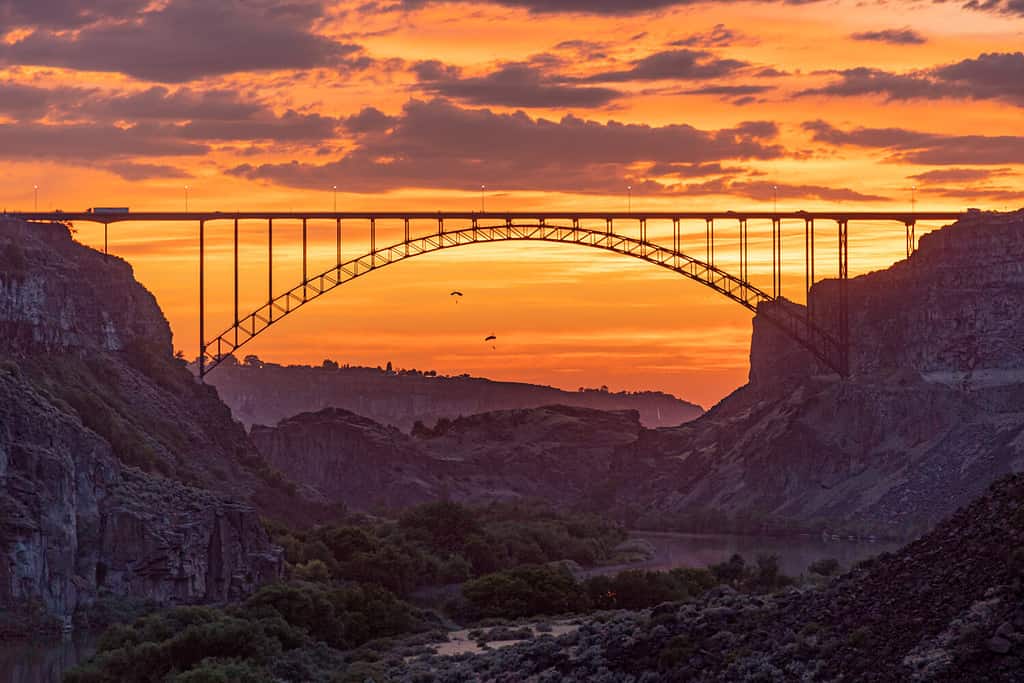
119,474
266,393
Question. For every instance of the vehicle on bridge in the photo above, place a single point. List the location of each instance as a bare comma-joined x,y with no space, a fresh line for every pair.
108,209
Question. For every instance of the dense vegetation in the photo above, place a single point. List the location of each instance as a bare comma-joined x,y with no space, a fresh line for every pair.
445,542
343,615
544,590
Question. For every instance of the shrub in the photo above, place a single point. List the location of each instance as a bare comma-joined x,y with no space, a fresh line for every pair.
827,566
525,591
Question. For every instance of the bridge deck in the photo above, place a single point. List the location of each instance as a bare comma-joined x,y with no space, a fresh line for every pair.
180,216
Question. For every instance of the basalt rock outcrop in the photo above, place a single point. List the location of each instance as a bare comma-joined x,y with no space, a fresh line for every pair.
558,453
932,413
106,441
265,394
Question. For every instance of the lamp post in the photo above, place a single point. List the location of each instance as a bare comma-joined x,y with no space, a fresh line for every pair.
35,198
775,198
335,189
483,189
629,199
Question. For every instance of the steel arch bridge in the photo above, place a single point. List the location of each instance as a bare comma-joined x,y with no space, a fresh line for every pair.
827,340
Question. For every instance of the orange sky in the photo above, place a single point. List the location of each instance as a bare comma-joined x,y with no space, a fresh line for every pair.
414,104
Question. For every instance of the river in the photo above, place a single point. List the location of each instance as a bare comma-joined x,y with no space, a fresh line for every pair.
45,661
795,553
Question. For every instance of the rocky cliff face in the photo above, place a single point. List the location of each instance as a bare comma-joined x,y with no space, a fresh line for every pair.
265,394
103,436
933,412
562,454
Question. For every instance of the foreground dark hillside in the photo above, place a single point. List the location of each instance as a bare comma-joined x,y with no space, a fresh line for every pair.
119,474
949,607
266,393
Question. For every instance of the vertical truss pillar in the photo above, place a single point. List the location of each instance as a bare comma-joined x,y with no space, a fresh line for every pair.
844,299
337,231
373,242
744,254
808,264
305,276
105,226
202,299
776,258
406,240
911,240
709,240
643,229
270,269
235,325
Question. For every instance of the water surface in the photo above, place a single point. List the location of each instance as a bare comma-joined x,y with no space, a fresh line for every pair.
44,660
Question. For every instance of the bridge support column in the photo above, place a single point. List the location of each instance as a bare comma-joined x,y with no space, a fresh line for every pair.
744,254
305,278
808,264
373,242
709,240
844,299
776,258
235,325
337,228
911,240
202,300
105,226
643,229
270,269
406,236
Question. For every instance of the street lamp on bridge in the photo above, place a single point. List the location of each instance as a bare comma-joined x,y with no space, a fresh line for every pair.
35,198
334,188
775,198
629,199
483,188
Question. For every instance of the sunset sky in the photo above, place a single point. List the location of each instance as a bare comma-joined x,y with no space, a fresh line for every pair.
561,104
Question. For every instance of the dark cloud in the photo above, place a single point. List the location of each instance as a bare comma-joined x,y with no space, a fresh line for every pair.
895,36
691,170
930,149
438,144
679,64
63,14
602,7
991,76
512,85
766,191
84,142
135,171
719,36
960,175
1008,7
190,39
369,120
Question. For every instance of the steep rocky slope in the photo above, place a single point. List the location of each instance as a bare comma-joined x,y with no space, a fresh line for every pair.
949,607
265,394
933,413
104,438
566,455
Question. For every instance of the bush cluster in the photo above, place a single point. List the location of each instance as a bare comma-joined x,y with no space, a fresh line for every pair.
445,542
251,641
546,590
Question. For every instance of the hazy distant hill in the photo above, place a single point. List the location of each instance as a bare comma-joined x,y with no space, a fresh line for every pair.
266,393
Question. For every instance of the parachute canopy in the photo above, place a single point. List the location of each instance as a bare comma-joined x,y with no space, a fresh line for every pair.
456,293
490,338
